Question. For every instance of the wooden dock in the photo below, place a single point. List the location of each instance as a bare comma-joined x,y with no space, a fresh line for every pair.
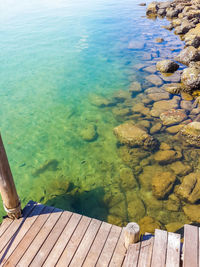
47,236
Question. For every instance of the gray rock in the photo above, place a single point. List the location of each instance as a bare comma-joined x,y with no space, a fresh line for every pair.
187,55
191,79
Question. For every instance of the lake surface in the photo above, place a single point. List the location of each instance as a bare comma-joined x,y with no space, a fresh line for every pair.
58,59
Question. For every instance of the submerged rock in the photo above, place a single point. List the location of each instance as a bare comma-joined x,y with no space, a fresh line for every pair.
136,209
180,169
135,87
164,105
149,224
127,179
154,79
162,184
191,133
189,189
159,40
166,156
133,136
173,88
167,66
148,172
173,203
173,116
192,212
89,133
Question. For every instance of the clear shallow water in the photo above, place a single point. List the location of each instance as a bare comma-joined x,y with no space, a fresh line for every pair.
54,58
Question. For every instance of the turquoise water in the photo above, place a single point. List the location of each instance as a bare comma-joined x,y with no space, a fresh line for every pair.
55,56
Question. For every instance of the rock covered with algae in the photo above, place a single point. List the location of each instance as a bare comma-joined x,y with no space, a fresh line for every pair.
162,184
189,189
133,136
89,133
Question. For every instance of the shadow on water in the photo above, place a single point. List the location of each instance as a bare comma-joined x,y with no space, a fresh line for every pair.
88,203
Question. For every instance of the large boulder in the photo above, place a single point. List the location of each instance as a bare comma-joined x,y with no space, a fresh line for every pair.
189,189
133,136
190,133
193,37
173,116
187,55
190,79
167,66
162,184
152,8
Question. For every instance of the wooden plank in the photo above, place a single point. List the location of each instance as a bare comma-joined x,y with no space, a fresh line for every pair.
51,240
97,245
17,238
159,248
146,249
132,255
15,226
63,240
74,242
119,252
40,238
29,237
86,243
173,250
109,247
191,238
5,224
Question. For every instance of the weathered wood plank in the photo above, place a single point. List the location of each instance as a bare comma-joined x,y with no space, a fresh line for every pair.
51,239
132,255
63,240
191,239
18,237
97,245
109,247
29,237
5,224
74,242
146,249
119,253
86,243
15,226
173,250
159,248
39,239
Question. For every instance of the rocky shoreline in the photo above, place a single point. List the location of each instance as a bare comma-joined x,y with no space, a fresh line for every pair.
158,131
